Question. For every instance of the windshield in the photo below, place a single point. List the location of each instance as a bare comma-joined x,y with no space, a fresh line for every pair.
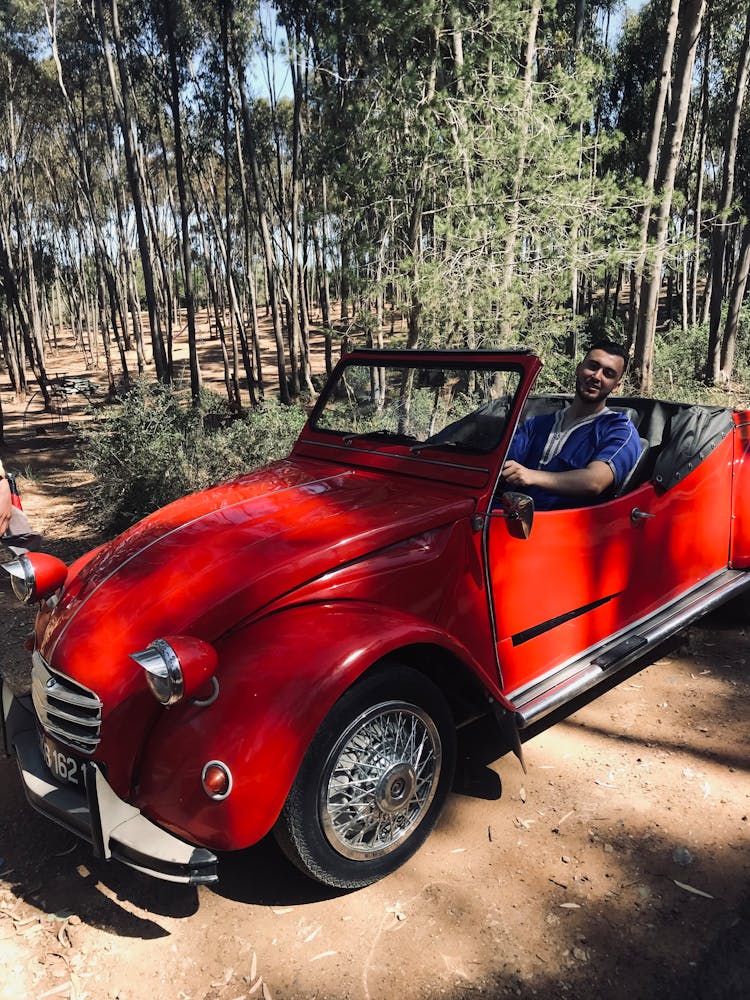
466,408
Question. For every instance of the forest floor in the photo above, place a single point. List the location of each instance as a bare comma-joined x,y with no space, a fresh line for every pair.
617,867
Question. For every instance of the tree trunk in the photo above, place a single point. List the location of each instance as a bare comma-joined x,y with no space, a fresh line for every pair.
719,228
691,15
121,99
509,254
179,161
739,285
649,172
268,254
700,168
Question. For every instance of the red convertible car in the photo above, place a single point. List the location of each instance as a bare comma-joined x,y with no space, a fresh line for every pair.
294,650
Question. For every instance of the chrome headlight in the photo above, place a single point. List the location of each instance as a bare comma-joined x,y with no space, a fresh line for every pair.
21,578
163,671
36,576
177,666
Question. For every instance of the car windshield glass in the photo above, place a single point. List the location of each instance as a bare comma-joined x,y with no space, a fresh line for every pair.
429,406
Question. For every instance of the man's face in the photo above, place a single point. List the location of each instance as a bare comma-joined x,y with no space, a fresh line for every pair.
597,375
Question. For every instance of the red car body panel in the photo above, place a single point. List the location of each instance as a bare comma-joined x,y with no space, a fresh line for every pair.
265,716
213,561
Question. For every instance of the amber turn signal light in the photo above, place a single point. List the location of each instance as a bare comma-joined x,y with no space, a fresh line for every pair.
216,780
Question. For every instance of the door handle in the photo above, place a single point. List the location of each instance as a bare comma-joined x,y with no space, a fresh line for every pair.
637,514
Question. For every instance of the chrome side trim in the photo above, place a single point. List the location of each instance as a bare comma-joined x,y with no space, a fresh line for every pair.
561,670
573,679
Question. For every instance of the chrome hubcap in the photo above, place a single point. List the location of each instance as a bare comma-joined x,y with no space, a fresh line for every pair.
379,780
396,788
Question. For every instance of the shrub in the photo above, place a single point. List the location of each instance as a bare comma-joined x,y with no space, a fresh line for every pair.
156,447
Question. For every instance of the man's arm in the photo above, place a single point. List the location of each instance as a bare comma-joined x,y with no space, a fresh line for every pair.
6,504
588,482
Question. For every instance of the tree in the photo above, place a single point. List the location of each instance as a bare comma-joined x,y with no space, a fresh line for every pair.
649,169
121,88
716,364
690,19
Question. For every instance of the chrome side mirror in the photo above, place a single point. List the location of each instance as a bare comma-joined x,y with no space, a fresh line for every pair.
518,508
518,511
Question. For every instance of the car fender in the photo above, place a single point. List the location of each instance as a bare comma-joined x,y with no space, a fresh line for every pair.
278,678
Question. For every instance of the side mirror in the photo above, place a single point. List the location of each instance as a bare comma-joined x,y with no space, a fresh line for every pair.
518,510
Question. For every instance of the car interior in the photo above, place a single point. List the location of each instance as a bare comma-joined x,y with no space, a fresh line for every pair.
675,437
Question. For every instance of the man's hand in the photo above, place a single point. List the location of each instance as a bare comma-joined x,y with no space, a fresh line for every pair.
6,506
518,475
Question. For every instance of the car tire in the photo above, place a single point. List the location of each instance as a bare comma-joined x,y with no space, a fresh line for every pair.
373,781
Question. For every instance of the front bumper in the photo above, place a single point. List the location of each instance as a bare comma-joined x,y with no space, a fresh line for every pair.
112,826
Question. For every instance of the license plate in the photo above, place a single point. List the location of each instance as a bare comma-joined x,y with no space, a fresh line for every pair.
64,766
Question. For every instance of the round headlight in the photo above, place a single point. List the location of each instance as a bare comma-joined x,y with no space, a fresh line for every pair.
177,667
36,576
163,671
21,578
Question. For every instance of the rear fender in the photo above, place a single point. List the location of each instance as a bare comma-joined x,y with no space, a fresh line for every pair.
278,678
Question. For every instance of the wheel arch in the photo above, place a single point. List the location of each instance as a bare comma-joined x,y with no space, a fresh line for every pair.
278,679
467,696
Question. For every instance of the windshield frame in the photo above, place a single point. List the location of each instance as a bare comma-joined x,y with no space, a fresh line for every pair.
449,463
473,444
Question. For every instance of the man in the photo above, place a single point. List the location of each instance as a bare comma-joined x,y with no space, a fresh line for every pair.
6,505
569,458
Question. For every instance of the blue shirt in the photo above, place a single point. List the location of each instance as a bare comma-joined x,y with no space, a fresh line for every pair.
541,443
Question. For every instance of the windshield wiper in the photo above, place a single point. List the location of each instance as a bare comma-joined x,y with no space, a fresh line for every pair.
415,448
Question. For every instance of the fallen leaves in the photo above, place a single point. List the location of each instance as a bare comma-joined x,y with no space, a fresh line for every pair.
692,889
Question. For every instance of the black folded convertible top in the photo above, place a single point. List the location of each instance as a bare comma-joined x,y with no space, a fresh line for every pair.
692,434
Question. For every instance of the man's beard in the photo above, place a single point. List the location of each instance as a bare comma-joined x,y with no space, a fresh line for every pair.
581,393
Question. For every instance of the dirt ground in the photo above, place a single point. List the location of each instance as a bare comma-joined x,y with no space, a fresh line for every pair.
617,867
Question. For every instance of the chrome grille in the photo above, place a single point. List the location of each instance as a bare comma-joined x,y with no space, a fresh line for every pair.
68,711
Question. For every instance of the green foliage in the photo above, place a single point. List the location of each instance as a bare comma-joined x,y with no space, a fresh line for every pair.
742,358
679,369
156,447
680,362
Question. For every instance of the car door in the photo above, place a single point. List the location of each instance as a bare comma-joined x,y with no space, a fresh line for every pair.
584,574
557,592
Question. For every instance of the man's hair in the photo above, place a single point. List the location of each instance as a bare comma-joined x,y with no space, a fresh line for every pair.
611,347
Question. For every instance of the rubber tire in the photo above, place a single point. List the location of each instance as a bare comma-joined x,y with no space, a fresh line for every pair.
299,831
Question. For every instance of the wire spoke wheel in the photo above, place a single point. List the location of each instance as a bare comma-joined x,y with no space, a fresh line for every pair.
380,780
373,781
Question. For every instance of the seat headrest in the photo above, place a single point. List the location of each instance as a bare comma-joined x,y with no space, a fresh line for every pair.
632,415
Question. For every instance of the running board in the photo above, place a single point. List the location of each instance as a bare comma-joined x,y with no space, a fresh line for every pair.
578,676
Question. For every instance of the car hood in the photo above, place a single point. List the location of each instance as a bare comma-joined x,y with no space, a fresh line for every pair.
215,558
